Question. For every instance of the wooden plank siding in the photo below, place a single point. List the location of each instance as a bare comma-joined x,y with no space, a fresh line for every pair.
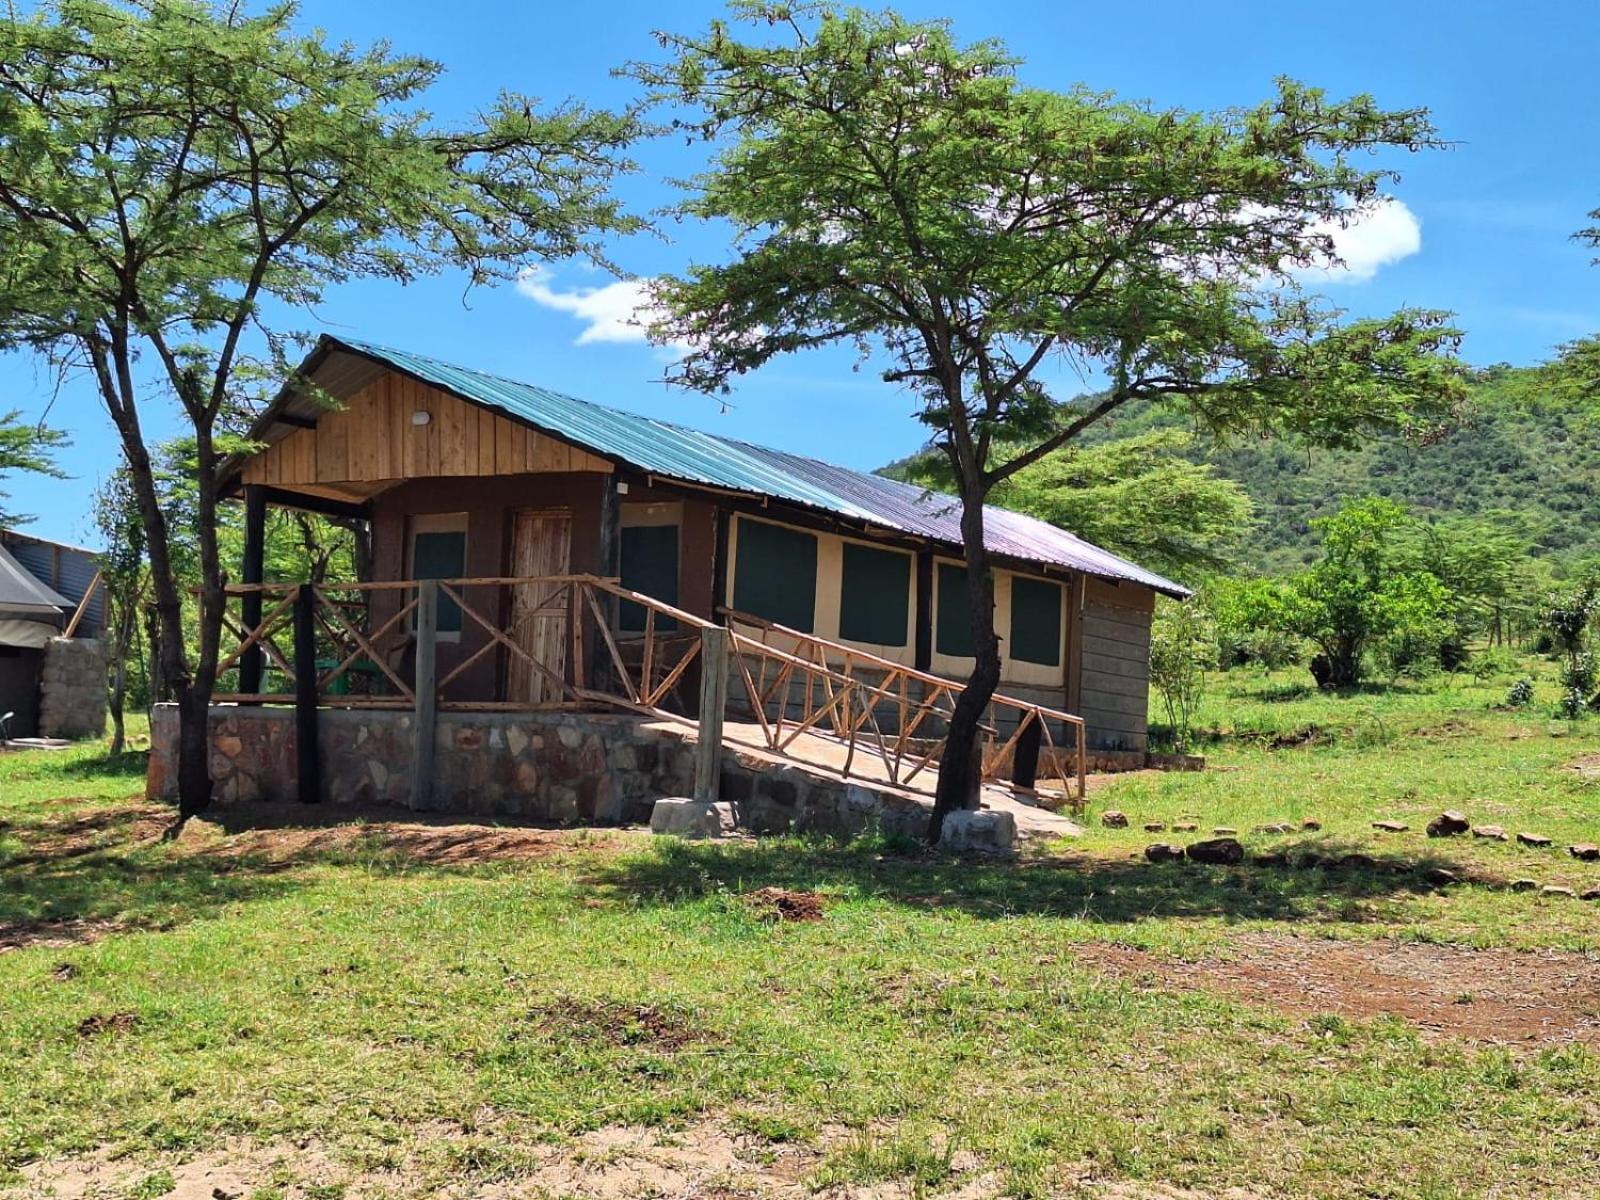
1115,665
372,439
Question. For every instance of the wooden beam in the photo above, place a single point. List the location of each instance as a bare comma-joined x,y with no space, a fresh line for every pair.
713,701
719,567
923,637
608,560
427,693
83,604
250,571
284,498
307,760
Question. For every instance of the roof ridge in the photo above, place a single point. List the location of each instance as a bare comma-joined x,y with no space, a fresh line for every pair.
767,470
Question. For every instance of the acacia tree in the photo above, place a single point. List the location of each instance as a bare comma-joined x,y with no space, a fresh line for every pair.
893,189
124,578
25,447
1137,496
176,178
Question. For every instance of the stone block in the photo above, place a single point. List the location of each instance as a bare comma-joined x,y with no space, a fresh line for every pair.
982,832
691,818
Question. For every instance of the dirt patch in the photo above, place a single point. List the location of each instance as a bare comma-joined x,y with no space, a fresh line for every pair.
1503,997
25,935
781,904
1310,735
121,1022
1586,768
287,833
86,833
614,1024
709,1159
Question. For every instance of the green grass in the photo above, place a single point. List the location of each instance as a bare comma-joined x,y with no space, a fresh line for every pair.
360,995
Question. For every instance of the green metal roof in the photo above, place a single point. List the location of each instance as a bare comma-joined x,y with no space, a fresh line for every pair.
692,456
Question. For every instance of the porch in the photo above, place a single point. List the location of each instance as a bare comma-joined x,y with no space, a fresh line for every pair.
480,665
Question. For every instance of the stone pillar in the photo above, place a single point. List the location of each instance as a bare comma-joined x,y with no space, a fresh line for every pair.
72,689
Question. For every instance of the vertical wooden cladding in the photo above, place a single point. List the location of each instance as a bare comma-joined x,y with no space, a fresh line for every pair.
374,438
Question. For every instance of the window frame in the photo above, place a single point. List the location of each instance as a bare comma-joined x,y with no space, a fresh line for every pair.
445,522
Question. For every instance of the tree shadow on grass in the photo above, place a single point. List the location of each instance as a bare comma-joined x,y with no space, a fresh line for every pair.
1074,886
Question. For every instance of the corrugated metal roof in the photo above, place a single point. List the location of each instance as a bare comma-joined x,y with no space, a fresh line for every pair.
692,456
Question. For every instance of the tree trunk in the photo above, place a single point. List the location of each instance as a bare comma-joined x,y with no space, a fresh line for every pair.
960,766
119,694
121,646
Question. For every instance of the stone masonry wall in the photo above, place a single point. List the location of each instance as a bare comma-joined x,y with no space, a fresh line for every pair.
560,768
72,688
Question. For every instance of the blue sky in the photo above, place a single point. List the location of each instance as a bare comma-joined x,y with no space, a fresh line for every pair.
1484,230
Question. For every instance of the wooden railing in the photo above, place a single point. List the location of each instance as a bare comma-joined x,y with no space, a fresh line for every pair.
554,642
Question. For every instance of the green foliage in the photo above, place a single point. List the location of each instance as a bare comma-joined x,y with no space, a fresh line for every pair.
893,189
176,176
25,447
1518,468
1362,596
1136,496
1183,647
1520,694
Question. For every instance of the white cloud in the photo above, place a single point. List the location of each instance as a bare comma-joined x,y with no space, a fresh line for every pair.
614,312
1384,232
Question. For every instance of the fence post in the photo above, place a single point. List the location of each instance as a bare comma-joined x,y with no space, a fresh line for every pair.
425,718
713,700
255,520
308,762
1025,756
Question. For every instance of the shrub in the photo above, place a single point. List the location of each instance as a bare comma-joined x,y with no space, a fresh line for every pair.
1183,645
1521,694
1573,703
1580,673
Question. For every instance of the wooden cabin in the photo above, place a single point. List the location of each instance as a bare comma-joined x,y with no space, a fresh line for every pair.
463,474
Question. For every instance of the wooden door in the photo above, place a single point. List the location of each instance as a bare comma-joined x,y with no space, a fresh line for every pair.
541,544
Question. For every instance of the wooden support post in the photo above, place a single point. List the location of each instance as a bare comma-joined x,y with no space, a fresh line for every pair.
308,761
719,565
713,700
255,543
1025,755
924,612
426,687
608,557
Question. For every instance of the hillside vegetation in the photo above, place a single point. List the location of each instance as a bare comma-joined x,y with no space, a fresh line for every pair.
1525,451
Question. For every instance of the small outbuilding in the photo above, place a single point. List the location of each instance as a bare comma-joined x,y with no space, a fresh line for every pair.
31,614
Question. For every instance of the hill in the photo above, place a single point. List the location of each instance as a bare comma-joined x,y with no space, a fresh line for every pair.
1522,452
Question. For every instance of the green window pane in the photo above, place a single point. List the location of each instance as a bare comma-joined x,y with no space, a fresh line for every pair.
441,555
953,633
1035,621
874,595
775,574
649,565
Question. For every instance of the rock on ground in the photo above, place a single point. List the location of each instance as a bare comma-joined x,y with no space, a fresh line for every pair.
1221,851
985,831
691,818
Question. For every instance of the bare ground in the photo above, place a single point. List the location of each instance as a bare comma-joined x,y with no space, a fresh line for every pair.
710,1160
1501,997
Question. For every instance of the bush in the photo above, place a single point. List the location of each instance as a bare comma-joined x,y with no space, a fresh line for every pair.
1491,664
1573,703
1183,645
1580,673
1521,694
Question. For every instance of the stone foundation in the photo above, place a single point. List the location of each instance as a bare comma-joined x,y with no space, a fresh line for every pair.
557,768
72,689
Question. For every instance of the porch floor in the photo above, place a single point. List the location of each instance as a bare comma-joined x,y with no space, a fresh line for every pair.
828,754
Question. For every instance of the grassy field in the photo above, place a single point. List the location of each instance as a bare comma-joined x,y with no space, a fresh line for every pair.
303,1006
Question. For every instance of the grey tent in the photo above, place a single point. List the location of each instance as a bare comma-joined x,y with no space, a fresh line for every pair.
30,612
